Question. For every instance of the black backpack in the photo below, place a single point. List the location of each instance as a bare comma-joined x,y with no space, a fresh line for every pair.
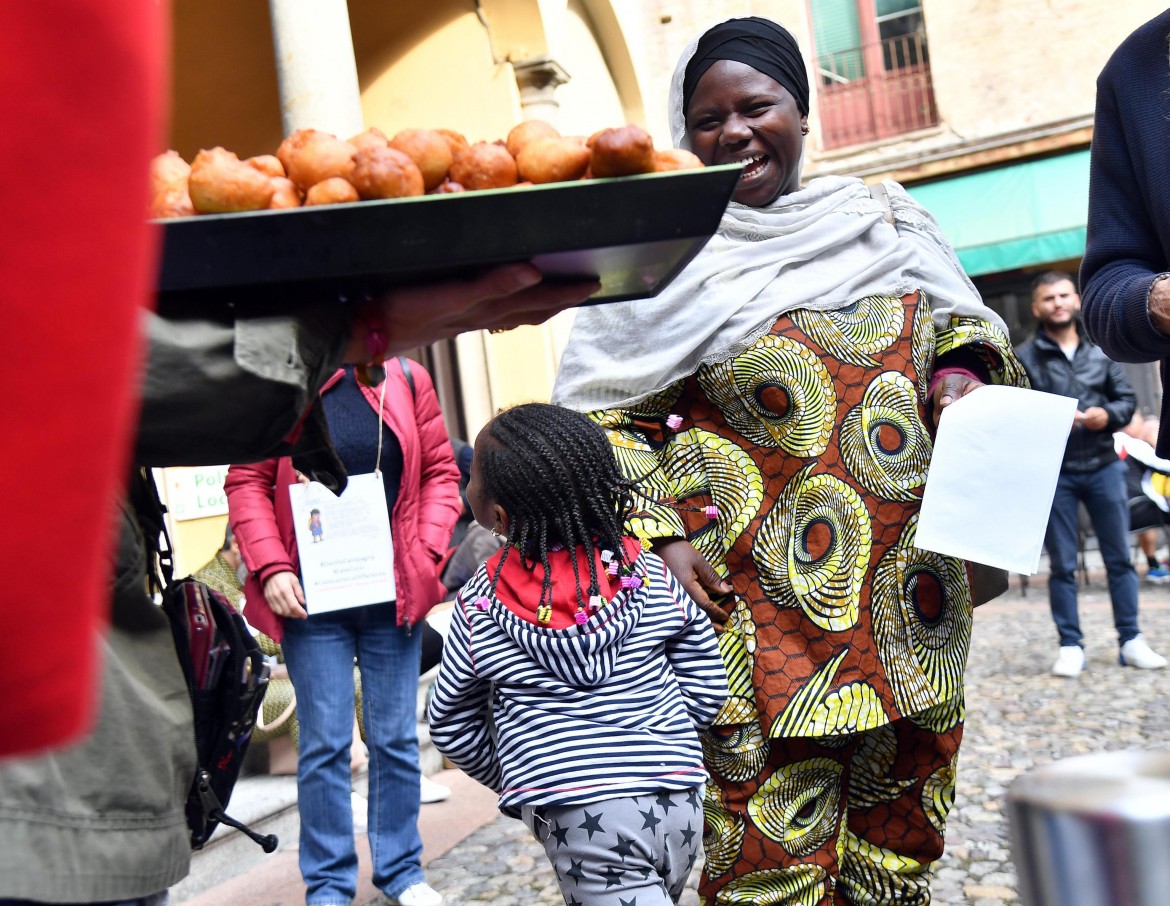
225,671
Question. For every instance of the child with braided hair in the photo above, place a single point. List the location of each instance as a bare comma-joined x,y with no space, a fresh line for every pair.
577,672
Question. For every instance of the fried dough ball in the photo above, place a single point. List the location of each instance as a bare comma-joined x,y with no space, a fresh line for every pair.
168,170
675,159
310,157
333,190
285,194
455,140
484,165
526,132
386,173
621,152
268,164
447,187
553,159
371,138
173,202
221,183
168,186
429,151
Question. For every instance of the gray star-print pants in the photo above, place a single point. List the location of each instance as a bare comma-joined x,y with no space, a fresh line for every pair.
631,851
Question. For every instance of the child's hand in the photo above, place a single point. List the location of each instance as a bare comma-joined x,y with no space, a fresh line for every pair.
698,577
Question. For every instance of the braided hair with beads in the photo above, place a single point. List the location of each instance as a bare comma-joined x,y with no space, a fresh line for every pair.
554,473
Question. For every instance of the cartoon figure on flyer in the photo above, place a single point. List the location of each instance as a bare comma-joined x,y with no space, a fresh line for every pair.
316,529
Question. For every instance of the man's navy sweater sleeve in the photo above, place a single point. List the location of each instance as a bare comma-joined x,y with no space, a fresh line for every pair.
1128,240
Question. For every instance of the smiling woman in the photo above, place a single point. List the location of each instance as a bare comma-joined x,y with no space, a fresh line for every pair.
745,97
776,405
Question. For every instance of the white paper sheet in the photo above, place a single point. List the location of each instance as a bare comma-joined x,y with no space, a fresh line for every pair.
993,474
344,544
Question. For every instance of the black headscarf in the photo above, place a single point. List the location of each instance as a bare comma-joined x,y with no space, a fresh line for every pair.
761,44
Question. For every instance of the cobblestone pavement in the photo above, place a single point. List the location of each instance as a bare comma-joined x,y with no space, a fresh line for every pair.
1018,717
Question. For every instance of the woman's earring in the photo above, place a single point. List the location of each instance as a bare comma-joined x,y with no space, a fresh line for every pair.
495,534
804,130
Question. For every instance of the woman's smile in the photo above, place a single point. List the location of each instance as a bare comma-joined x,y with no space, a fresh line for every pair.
754,167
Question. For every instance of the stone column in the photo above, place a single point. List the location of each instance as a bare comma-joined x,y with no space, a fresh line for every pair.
315,66
538,79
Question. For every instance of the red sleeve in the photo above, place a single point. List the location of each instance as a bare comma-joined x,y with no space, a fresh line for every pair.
439,501
81,103
251,495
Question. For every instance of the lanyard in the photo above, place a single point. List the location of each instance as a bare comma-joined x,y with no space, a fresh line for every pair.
381,423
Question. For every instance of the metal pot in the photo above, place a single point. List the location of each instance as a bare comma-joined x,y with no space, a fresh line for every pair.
1093,830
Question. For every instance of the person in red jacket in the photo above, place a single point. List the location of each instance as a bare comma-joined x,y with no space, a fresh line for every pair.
408,446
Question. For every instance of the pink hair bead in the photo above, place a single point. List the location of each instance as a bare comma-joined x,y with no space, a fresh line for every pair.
711,511
595,603
673,422
482,603
581,618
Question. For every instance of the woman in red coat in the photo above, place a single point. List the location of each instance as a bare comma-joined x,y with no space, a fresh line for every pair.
410,447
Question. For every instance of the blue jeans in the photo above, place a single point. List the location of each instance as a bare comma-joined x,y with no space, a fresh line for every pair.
320,653
1103,493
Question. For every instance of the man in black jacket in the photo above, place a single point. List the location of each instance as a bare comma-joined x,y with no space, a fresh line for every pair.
1061,359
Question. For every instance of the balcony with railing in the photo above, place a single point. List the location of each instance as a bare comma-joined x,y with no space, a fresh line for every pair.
875,91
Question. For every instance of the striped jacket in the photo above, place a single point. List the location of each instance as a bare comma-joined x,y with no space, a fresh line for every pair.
609,709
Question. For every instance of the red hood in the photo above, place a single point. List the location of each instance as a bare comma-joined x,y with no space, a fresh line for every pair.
519,590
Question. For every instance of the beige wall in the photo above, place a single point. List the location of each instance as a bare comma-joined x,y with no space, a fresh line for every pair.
1004,65
590,100
431,65
223,77
196,542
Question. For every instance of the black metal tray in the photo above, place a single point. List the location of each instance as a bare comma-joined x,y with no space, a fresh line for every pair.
634,234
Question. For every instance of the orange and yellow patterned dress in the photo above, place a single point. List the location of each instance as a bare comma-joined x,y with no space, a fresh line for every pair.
832,763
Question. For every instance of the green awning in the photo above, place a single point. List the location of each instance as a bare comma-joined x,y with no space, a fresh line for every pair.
1015,216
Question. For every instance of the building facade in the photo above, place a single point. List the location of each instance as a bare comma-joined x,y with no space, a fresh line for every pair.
982,109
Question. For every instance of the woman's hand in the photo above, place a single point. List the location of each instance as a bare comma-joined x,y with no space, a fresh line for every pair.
283,593
498,299
698,577
949,389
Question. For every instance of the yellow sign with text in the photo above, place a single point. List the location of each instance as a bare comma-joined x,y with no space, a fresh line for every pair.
195,493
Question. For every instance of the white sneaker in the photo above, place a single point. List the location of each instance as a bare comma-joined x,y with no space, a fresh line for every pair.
419,894
1070,661
361,811
432,792
1136,653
